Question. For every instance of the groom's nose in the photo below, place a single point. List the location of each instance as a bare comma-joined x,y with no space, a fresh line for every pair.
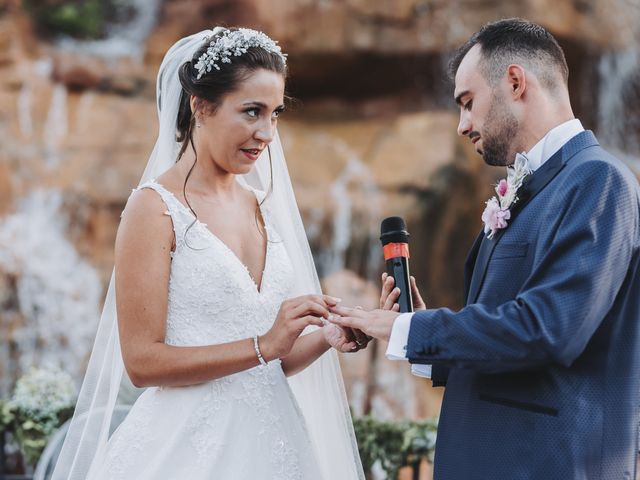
464,125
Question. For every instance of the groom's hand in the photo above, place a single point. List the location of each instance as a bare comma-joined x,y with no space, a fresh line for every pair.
376,323
389,295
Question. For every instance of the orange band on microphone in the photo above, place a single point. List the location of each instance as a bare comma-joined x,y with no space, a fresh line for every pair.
394,250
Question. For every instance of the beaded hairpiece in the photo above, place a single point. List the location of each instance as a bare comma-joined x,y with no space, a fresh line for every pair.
233,43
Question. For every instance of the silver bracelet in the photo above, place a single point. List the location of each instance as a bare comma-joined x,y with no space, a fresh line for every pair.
257,349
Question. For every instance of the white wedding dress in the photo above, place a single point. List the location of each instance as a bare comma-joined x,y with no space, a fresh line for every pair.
245,426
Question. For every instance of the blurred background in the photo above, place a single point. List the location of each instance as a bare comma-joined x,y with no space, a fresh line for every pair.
373,134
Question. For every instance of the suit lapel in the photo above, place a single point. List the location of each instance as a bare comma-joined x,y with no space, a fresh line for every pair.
531,187
470,263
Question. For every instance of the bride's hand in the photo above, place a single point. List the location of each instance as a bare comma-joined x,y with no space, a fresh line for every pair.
345,339
390,295
294,316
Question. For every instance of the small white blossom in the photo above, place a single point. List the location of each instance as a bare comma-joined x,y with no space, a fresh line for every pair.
42,392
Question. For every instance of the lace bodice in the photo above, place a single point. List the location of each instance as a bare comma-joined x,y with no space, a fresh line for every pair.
207,279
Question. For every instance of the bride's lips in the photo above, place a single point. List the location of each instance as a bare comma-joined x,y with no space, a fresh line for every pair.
251,153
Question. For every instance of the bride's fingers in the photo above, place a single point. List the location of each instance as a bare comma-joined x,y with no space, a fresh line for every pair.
310,307
329,300
333,333
349,347
302,322
359,337
337,338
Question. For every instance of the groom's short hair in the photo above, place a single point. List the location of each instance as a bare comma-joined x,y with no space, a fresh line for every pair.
518,41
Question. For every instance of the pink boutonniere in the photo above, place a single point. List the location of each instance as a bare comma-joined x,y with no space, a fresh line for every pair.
498,209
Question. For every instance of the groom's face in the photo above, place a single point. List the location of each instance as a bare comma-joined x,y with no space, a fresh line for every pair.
500,132
485,116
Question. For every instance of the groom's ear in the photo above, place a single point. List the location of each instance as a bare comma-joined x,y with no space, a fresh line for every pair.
517,80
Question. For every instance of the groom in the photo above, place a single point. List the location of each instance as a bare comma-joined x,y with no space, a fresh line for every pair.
542,365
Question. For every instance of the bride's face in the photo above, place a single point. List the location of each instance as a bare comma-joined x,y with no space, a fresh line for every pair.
244,123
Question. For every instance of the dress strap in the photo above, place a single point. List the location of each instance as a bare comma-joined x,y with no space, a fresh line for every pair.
179,218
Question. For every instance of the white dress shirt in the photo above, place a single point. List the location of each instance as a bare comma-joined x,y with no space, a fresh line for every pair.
540,153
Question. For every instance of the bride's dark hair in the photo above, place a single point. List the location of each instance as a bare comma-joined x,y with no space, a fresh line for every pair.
210,89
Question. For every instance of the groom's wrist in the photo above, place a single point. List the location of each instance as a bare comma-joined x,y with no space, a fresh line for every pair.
397,348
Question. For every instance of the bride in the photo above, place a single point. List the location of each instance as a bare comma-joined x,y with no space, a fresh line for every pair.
214,286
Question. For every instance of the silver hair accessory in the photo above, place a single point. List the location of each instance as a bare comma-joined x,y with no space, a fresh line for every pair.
233,43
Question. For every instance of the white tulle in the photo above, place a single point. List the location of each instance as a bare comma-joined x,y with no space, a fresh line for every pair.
318,391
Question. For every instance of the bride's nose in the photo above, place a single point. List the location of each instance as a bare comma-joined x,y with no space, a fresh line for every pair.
265,131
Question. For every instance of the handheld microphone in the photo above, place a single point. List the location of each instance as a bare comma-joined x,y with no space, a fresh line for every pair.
395,243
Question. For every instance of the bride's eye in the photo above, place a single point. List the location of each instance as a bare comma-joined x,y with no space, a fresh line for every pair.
252,112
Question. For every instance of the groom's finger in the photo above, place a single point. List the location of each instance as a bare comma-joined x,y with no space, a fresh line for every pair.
346,311
391,299
387,288
352,322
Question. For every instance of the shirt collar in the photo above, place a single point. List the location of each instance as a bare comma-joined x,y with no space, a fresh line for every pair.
552,142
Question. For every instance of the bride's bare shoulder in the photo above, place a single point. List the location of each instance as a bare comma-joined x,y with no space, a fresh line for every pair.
144,201
145,218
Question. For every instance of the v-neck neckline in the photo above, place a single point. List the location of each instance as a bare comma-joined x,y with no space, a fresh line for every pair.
259,288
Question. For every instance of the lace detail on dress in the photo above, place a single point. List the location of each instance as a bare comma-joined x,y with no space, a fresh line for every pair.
204,427
122,454
259,395
244,426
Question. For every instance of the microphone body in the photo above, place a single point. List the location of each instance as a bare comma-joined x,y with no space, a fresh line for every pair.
395,242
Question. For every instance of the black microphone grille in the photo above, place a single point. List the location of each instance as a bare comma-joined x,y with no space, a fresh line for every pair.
393,230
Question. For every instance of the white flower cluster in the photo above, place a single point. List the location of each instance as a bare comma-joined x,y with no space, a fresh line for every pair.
233,44
515,177
42,392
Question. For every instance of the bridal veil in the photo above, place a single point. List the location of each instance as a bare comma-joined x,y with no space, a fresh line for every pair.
319,389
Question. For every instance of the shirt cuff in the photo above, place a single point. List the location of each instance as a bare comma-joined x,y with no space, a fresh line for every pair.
397,349
421,370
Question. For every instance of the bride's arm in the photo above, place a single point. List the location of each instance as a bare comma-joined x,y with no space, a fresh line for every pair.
307,349
143,261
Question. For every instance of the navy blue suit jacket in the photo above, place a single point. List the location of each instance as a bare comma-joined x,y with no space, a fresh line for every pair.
542,364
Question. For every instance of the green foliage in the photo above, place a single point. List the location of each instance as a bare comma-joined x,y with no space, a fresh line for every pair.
31,431
42,400
86,19
394,444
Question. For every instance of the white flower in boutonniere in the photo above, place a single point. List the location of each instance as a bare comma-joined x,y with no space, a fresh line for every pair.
498,209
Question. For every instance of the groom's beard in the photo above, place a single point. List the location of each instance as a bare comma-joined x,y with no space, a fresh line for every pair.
501,135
